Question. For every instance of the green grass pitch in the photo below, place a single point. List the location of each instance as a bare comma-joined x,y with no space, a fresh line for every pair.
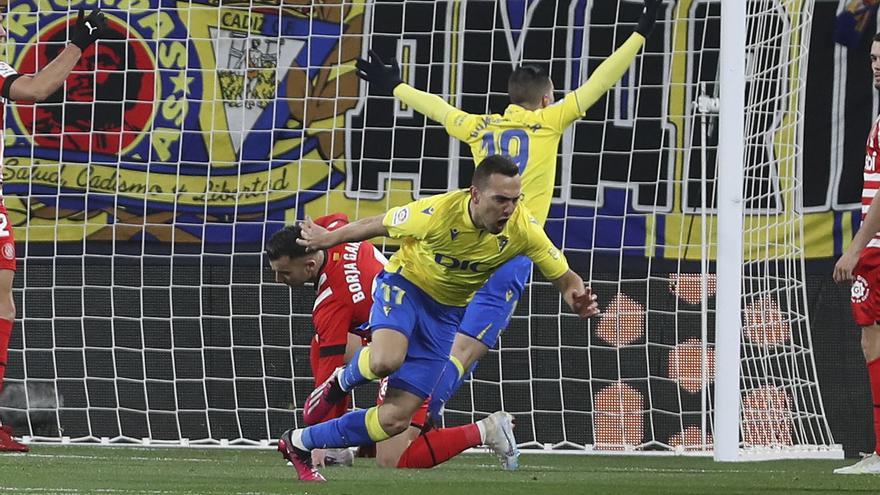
167,471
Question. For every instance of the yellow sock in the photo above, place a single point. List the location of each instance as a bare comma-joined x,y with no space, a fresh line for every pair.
374,429
364,365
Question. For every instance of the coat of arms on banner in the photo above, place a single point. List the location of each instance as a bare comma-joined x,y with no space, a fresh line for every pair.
191,114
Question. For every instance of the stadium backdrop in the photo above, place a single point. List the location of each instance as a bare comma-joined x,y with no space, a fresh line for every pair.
181,156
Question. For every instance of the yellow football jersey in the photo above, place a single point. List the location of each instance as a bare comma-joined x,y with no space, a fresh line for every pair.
445,255
529,137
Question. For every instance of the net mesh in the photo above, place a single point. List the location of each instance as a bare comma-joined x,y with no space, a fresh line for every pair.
143,194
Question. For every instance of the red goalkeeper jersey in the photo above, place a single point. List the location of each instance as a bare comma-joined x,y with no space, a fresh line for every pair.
344,288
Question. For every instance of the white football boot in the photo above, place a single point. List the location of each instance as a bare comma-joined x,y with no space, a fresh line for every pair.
339,457
499,437
868,465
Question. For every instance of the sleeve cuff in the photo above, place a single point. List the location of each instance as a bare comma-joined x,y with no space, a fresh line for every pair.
7,85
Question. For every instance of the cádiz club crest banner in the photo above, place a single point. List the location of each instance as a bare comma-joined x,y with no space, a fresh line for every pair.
190,118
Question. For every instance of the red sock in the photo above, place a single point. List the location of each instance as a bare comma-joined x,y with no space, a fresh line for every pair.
5,333
874,377
438,446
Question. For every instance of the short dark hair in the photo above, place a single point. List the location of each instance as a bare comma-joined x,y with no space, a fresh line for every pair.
493,164
527,84
283,243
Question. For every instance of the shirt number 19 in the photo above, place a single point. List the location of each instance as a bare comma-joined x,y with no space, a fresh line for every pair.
510,140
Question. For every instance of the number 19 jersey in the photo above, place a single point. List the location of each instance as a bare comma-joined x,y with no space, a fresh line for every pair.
529,137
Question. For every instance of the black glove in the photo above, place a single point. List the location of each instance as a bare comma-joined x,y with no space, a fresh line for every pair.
384,77
88,29
649,16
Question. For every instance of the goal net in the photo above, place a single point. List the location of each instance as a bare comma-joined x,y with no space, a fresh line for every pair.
143,193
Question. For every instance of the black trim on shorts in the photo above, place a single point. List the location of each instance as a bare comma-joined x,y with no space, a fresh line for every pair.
332,350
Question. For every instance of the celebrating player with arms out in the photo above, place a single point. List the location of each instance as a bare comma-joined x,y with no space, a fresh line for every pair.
451,245
344,276
32,87
529,132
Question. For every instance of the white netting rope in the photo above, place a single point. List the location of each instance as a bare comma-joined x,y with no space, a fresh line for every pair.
194,343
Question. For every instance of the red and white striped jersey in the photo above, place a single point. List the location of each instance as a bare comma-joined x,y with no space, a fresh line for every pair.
345,286
871,176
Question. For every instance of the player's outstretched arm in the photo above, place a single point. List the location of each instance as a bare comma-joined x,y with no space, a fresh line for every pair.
579,297
39,86
576,103
315,237
843,269
386,78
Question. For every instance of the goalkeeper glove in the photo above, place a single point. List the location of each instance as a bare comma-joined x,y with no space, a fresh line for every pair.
384,77
88,29
649,16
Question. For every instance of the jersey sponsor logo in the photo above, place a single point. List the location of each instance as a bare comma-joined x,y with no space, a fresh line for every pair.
400,216
859,291
453,233
454,263
871,162
9,251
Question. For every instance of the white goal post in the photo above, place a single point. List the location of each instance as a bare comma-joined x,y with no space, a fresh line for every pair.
142,196
728,320
764,51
